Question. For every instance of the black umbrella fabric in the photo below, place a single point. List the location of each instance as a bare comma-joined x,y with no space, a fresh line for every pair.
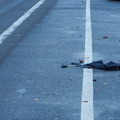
110,66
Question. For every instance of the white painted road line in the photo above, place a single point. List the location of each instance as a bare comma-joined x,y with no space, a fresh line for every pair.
17,23
87,112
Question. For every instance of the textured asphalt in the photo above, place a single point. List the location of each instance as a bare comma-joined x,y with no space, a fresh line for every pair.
106,22
33,84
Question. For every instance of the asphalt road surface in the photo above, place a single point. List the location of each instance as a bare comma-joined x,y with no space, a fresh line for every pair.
36,38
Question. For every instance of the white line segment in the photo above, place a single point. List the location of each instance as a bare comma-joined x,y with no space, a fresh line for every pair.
17,23
87,87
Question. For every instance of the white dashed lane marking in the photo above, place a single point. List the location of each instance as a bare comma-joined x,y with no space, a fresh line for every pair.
17,23
87,87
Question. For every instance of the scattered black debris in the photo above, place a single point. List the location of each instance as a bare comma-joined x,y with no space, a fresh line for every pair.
54,93
64,66
85,101
75,64
81,61
105,37
110,66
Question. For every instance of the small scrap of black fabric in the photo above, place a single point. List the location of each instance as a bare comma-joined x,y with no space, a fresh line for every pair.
110,66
